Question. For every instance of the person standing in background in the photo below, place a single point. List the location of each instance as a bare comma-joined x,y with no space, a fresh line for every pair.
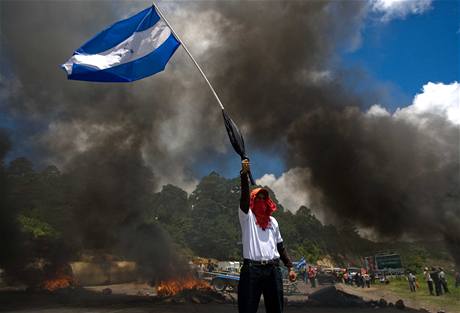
412,282
443,280
429,280
434,274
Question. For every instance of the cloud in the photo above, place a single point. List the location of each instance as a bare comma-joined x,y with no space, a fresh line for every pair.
394,9
437,100
288,188
377,110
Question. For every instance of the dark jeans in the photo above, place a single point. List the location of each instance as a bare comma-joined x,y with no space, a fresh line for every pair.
256,280
437,287
444,286
412,286
430,287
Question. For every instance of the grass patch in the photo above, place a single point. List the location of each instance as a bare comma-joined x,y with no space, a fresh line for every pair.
450,302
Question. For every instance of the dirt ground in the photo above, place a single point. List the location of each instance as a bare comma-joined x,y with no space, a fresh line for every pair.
193,308
373,293
137,298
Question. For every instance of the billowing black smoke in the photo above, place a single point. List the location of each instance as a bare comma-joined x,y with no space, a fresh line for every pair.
392,175
100,135
381,173
8,229
276,67
112,189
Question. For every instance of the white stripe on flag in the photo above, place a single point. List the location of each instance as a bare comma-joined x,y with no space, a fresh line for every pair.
138,45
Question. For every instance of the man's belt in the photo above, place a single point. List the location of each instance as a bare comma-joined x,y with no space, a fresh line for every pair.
262,263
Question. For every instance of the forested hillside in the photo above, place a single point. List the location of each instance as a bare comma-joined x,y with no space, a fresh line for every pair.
45,211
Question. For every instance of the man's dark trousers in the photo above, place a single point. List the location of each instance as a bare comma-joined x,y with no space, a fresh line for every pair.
430,286
256,280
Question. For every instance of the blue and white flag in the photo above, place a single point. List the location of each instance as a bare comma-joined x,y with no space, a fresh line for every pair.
128,50
302,263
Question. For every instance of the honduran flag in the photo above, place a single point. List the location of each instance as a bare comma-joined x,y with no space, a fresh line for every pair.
302,263
128,50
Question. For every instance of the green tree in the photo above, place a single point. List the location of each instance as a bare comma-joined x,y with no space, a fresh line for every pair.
170,207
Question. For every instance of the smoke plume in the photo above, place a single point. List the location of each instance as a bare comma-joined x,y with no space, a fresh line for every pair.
277,70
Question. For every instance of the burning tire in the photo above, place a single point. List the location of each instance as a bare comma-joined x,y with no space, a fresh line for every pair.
219,284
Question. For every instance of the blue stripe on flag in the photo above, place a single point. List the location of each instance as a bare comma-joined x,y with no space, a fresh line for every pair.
119,31
148,65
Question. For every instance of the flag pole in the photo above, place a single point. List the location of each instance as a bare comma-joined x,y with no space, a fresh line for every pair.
189,54
202,74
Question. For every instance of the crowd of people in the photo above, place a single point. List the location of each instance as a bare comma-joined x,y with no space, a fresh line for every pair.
436,280
360,278
308,275
312,275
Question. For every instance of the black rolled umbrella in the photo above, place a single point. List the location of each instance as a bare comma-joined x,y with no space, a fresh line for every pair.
236,140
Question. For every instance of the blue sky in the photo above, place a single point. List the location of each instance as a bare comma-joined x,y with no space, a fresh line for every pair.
407,53
229,164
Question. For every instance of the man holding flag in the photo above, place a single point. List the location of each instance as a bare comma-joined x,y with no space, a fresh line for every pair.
262,250
142,45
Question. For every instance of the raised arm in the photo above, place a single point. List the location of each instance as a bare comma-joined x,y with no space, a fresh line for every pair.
244,200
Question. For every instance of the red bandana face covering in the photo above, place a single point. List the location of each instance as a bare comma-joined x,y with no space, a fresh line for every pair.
262,209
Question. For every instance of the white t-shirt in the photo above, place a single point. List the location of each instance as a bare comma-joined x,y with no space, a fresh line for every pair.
259,244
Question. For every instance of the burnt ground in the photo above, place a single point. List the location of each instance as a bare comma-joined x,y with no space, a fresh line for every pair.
135,298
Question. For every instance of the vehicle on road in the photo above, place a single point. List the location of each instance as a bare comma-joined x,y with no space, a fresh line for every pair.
352,271
222,282
229,282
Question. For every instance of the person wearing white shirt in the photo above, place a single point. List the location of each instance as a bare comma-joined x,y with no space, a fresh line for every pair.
429,280
262,250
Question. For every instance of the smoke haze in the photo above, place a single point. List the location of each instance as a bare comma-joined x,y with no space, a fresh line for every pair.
277,70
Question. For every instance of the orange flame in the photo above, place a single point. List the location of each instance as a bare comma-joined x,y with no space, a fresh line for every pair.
58,283
173,286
